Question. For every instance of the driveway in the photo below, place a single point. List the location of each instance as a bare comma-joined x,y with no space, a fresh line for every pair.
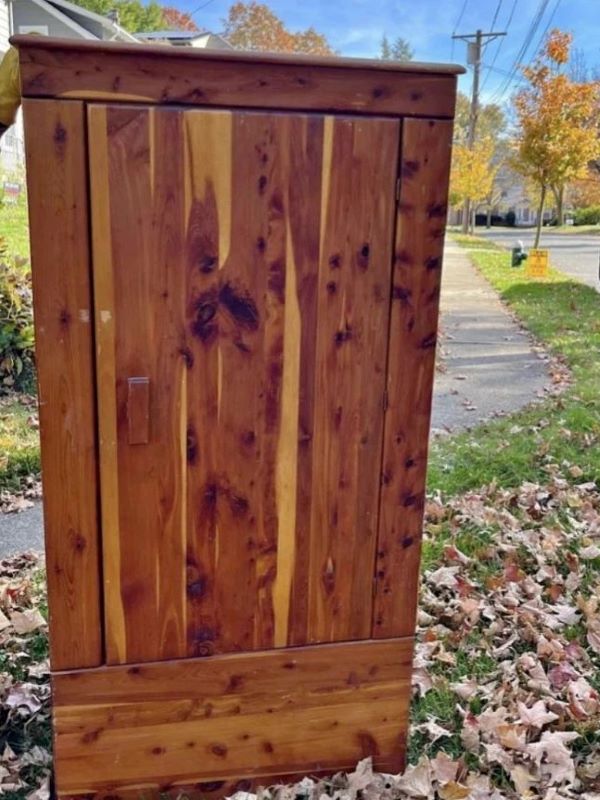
576,255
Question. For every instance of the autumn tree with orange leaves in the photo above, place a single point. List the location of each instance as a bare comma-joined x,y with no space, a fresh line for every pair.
176,20
557,124
585,191
253,26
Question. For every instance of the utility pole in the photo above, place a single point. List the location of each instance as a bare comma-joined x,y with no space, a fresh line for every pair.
475,43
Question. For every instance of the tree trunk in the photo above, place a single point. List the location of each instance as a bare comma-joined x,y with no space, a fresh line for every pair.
466,216
559,195
488,223
538,230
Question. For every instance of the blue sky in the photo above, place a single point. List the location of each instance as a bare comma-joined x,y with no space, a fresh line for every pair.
355,27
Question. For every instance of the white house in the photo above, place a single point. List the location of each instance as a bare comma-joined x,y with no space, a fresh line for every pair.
63,19
4,27
201,39
49,18
67,20
11,146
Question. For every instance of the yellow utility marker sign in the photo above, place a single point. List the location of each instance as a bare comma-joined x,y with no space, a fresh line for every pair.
537,264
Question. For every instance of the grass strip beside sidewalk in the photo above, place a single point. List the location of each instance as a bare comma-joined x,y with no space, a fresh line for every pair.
19,441
564,316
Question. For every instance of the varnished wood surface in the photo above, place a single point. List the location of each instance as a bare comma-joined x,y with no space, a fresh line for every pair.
158,74
26,41
242,264
264,356
425,165
57,186
221,718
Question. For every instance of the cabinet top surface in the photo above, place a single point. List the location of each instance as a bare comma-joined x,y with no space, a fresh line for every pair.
164,52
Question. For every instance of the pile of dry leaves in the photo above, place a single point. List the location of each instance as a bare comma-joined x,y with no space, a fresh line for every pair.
15,502
24,681
507,678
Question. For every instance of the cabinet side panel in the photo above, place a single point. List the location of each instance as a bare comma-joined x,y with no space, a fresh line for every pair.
425,165
57,185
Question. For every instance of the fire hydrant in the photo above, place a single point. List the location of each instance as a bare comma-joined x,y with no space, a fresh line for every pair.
518,255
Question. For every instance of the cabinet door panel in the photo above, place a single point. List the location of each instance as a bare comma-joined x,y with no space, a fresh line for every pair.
242,268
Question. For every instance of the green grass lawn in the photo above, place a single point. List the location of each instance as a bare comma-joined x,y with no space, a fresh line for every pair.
19,438
19,441
593,229
14,229
565,316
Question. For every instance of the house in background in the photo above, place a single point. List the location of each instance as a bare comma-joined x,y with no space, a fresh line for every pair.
49,18
66,20
509,197
202,39
11,146
63,19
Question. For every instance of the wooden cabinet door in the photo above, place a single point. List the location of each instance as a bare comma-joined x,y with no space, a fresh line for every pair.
242,276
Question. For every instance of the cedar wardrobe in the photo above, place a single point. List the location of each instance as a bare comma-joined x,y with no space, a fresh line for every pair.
236,263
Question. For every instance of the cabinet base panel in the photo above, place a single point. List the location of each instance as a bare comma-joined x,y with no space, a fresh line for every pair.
230,721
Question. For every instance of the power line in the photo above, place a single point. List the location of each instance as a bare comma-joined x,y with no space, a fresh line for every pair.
524,47
521,56
456,24
200,7
460,16
498,7
547,28
535,23
495,69
500,43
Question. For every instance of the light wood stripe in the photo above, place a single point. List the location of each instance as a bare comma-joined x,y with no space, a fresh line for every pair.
116,645
287,453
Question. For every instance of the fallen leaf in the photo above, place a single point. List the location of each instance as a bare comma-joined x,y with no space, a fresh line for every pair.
27,621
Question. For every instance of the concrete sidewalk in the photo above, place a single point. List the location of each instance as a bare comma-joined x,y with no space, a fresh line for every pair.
486,363
487,367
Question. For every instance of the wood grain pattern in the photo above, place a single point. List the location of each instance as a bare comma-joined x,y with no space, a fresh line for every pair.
352,315
209,78
425,164
216,719
138,410
138,245
57,184
26,41
255,297
265,317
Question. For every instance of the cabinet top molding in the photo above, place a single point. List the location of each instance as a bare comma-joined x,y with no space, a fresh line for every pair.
158,74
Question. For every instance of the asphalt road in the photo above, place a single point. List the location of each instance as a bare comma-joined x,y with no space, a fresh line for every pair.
576,255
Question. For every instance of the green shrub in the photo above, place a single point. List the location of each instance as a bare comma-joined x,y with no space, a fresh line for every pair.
16,324
587,216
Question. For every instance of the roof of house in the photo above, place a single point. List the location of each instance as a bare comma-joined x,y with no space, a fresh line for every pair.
171,34
79,15
180,37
